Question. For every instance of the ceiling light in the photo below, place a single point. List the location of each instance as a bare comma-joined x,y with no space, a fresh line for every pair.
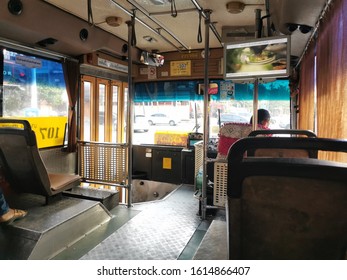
114,21
159,2
235,7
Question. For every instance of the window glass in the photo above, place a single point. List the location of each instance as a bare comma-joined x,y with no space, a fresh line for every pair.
33,86
125,114
170,110
34,89
102,94
115,121
87,90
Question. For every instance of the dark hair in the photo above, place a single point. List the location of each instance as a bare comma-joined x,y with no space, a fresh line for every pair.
262,116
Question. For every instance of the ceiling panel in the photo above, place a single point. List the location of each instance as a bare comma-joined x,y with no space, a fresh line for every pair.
178,24
158,20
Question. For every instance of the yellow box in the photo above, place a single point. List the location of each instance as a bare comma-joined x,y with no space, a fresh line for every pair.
167,163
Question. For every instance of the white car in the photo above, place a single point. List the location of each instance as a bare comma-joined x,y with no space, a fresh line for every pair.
282,122
160,118
140,124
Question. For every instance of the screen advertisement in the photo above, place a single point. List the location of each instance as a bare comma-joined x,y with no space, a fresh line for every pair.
258,58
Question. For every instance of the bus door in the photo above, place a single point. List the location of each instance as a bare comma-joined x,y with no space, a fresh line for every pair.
102,110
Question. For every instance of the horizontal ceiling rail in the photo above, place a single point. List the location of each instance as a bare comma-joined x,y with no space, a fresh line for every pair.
153,19
156,31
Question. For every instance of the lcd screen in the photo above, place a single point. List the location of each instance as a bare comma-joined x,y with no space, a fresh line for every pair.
258,58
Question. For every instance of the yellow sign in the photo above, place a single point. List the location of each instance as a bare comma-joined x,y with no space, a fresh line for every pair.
173,138
49,131
180,68
166,163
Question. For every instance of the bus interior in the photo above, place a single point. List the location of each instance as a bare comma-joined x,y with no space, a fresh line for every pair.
129,129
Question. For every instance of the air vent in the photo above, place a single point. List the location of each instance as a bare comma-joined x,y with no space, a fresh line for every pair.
237,33
46,42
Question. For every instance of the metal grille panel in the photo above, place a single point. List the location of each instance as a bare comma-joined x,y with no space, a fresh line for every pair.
220,183
103,163
199,153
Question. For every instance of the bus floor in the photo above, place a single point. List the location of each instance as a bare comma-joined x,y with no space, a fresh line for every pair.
168,229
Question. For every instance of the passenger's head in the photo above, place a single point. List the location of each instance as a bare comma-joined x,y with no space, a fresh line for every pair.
263,118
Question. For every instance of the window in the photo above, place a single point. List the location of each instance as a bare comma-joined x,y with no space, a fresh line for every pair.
100,110
175,108
34,89
33,86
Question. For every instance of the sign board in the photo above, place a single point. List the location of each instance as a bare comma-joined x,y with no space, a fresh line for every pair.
227,90
180,68
152,72
112,65
212,89
28,61
49,131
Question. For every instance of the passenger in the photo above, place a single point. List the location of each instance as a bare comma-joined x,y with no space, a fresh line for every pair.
263,118
7,214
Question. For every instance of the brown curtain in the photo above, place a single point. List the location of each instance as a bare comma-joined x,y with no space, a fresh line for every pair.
306,90
71,74
332,76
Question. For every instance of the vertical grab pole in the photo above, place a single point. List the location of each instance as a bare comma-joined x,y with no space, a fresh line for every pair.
1,81
129,111
258,25
206,117
255,105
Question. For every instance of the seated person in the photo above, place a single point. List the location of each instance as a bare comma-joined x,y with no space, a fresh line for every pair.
7,214
231,132
263,118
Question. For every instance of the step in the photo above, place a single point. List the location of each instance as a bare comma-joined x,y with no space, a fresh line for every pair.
49,229
214,244
109,198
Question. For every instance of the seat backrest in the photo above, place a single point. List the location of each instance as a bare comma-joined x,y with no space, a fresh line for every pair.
21,160
291,132
291,153
229,133
286,208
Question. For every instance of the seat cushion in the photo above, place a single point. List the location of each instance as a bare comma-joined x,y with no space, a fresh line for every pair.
60,182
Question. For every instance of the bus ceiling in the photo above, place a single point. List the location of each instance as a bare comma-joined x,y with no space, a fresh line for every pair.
79,27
